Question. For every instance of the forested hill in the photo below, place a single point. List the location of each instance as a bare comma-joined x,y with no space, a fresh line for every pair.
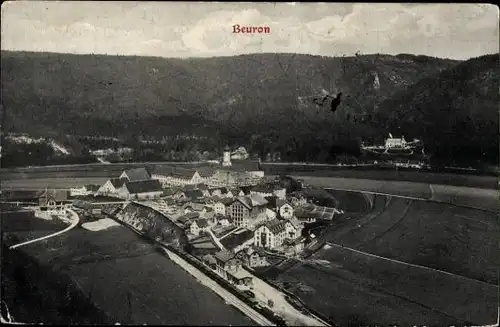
456,111
262,101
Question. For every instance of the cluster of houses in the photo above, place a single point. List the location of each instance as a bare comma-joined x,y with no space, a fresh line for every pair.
233,216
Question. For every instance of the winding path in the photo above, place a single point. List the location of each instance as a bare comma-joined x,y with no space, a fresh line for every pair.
74,223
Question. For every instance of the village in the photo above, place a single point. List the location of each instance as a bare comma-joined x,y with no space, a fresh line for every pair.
235,219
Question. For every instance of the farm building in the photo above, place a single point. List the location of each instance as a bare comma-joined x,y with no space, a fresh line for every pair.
141,190
136,174
183,176
206,173
53,201
111,186
161,173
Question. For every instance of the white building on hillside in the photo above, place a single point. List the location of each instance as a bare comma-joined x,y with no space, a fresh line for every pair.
392,142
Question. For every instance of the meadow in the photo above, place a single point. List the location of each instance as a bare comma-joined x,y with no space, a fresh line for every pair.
144,285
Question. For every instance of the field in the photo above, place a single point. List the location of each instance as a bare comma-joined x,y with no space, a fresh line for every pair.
19,226
481,198
359,288
350,201
110,265
354,290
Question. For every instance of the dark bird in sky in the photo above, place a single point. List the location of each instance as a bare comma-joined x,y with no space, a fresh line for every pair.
320,101
336,102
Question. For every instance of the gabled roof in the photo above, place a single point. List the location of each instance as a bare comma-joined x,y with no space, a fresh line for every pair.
257,200
271,201
192,215
245,165
209,259
276,226
194,194
195,206
263,188
189,188
268,187
209,215
235,191
202,187
56,195
216,198
252,201
224,256
281,202
237,237
227,201
137,174
206,171
184,173
92,187
246,189
151,185
182,219
162,170
118,182
202,222
295,222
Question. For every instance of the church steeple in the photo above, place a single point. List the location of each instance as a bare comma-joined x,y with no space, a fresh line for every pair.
226,161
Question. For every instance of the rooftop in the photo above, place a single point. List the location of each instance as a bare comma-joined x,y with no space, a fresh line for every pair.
184,173
206,171
276,226
224,256
202,223
118,182
237,237
194,194
55,195
163,170
137,174
144,186
251,201
92,187
245,165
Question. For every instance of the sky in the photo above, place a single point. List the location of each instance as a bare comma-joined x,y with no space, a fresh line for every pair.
205,29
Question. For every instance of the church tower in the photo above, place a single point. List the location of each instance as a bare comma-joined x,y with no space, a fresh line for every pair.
226,161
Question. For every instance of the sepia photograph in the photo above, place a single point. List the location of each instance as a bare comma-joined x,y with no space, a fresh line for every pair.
249,163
